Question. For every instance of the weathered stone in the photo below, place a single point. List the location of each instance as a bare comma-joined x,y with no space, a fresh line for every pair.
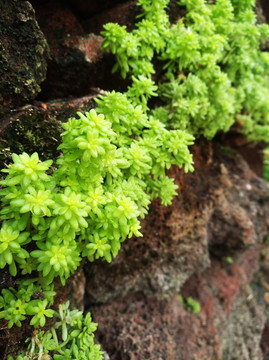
123,14
37,127
73,66
174,247
77,290
23,54
87,8
220,216
240,204
229,305
260,285
265,8
228,326
222,208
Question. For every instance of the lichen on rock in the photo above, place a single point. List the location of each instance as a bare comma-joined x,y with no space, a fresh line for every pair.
23,54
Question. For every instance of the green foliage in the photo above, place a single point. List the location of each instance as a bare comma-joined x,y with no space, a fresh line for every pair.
213,70
229,260
93,199
71,337
190,304
113,163
20,303
114,158
11,241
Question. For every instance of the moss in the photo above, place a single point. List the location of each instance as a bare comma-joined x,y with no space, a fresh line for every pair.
38,128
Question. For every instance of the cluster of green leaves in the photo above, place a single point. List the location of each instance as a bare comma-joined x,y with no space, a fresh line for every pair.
110,170
190,304
71,337
114,158
24,302
111,167
114,161
213,70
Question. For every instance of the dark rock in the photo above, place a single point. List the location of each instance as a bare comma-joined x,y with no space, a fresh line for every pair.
37,127
77,290
222,211
123,14
228,326
265,7
87,8
72,66
23,54
240,206
262,11
222,208
77,63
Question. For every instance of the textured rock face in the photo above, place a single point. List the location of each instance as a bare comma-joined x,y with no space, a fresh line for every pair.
87,8
37,127
221,208
206,246
228,327
23,54
221,211
72,68
265,6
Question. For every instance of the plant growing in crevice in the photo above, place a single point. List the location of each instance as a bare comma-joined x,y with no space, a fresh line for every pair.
213,70
190,304
87,207
71,337
114,158
111,167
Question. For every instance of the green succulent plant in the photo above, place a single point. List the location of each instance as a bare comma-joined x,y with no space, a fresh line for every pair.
113,163
71,337
205,71
214,72
19,304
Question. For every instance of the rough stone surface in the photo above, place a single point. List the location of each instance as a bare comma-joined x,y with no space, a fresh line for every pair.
23,54
222,208
37,127
206,246
73,65
265,7
87,8
135,298
228,326
260,285
123,14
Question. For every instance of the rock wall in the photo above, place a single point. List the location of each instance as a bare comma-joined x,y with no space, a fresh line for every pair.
207,246
23,54
222,212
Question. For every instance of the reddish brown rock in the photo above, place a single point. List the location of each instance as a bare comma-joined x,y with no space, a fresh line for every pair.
222,210
260,284
88,8
73,66
228,326
23,54
123,14
221,215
